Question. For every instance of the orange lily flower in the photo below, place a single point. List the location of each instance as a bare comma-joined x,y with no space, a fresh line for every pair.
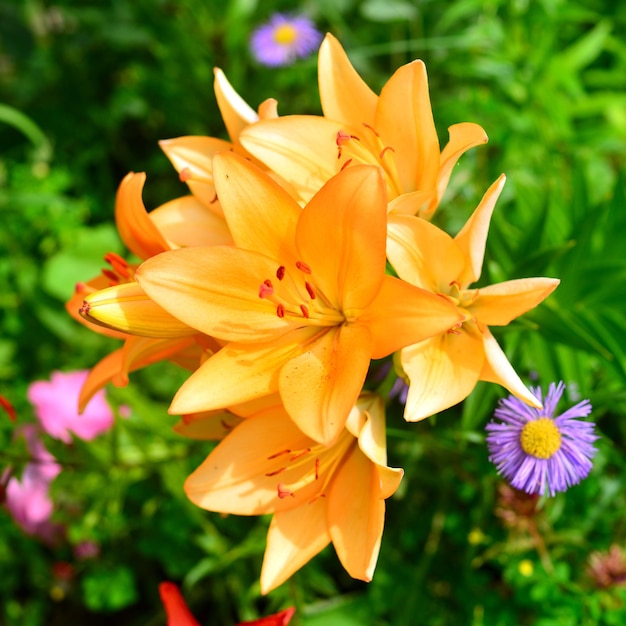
444,369
318,494
180,222
303,299
394,131
191,155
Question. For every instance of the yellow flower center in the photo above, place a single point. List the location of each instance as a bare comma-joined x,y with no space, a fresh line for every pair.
541,438
285,34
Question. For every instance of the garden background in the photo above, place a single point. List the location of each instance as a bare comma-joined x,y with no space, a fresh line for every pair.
87,88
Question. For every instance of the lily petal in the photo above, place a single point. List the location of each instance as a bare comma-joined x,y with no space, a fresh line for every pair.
410,128
463,136
185,221
294,538
301,149
138,232
473,236
245,191
356,514
417,314
236,113
320,386
443,371
345,97
341,234
497,369
191,156
497,305
216,291
238,373
423,254
208,425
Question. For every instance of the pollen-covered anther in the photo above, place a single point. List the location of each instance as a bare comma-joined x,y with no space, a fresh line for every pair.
300,454
111,275
276,472
280,272
371,128
305,310
280,310
277,454
266,288
310,290
303,267
185,174
283,492
343,167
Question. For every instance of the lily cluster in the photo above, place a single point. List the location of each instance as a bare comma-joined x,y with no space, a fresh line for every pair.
269,283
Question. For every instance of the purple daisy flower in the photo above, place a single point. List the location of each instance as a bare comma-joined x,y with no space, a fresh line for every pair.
284,39
537,451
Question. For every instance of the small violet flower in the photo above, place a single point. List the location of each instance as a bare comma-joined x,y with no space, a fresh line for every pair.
56,407
538,451
283,39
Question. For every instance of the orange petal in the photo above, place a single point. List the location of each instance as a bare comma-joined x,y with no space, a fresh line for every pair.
341,235
237,373
136,229
443,371
236,113
126,307
356,515
497,305
473,236
99,376
261,215
216,291
294,538
208,425
497,369
423,254
404,119
462,137
191,156
243,473
345,96
320,386
414,203
185,221
402,315
301,149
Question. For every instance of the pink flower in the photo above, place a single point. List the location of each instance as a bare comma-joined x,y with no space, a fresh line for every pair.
28,497
56,407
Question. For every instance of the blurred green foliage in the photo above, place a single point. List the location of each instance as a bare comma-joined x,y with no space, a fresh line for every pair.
88,88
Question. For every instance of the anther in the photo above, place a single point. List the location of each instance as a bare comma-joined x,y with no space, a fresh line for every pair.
185,174
310,290
283,492
119,264
281,453
305,310
276,472
280,310
214,199
343,167
266,288
303,267
280,272
112,276
300,454
382,152
317,468
371,128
